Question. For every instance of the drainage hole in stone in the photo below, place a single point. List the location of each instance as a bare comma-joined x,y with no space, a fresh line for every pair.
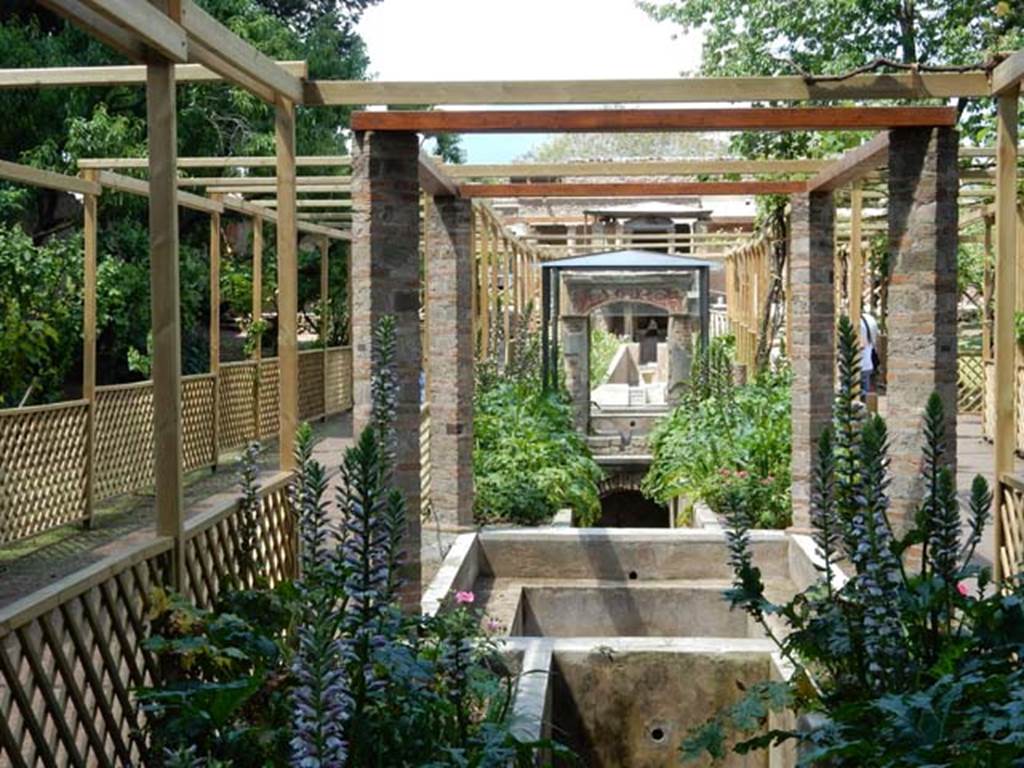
633,576
657,734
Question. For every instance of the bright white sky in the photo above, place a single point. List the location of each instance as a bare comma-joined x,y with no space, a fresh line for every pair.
520,40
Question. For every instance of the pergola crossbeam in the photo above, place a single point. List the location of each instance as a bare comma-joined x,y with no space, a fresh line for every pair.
853,165
26,174
918,85
1008,74
156,30
655,120
633,189
130,74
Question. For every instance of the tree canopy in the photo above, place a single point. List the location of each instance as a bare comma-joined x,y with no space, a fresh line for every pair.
53,128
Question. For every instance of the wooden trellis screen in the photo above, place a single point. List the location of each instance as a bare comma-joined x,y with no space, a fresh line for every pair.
506,281
72,654
747,280
46,456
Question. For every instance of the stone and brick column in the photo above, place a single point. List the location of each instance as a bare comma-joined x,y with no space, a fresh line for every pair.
812,344
386,281
448,223
575,347
680,355
921,322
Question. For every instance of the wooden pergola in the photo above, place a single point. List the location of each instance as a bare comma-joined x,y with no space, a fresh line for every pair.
175,41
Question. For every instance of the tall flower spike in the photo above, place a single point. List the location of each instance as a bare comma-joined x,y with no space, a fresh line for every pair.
384,388
248,515
944,551
980,506
823,506
306,493
847,420
933,452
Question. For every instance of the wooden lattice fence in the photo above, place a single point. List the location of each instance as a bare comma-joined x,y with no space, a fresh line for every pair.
45,461
43,468
71,654
970,383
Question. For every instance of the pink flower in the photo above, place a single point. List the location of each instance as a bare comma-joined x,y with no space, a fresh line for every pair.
464,598
962,588
724,472
493,625
742,474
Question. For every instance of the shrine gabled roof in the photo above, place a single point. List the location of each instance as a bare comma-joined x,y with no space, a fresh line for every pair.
627,260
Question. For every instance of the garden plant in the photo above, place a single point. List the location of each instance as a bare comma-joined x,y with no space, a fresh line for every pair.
328,670
904,652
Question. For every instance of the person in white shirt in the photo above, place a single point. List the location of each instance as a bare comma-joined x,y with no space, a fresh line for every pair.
868,351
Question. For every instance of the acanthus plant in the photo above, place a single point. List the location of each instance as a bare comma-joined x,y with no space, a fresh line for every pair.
915,658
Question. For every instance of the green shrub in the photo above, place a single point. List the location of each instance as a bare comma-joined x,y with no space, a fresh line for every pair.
725,441
528,460
911,661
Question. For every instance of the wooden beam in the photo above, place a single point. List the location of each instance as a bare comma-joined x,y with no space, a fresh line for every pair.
157,31
661,168
634,189
57,77
287,285
1006,305
1008,74
268,181
214,354
311,228
35,177
433,180
853,165
645,120
90,238
238,205
308,203
243,161
940,85
166,318
266,189
100,27
119,183
223,51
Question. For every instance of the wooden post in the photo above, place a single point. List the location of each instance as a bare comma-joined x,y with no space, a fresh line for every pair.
506,294
325,247
483,232
90,205
855,290
1006,292
215,330
474,286
287,283
165,310
986,293
256,311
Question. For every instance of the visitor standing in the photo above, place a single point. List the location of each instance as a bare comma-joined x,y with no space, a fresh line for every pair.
869,360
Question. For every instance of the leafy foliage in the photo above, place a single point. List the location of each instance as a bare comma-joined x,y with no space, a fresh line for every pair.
603,346
53,128
726,445
909,661
328,670
528,460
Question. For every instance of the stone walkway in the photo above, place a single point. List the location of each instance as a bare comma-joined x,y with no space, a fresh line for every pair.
974,457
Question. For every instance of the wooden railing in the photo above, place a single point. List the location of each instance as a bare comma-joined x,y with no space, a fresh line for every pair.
1011,524
506,280
72,654
48,465
425,464
747,280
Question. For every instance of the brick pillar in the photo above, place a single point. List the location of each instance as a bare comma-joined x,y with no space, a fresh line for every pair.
813,339
575,346
386,281
448,222
680,356
922,348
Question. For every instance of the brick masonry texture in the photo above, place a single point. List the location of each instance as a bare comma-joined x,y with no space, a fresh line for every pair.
813,342
448,225
922,351
386,281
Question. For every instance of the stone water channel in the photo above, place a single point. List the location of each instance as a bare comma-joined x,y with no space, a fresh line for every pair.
621,636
